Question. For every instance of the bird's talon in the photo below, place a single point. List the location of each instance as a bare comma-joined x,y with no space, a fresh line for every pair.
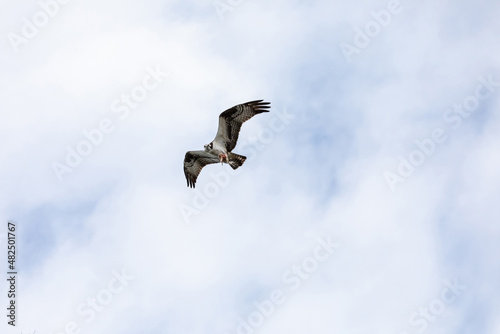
223,157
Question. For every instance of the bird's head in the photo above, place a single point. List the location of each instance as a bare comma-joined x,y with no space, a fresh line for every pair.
208,147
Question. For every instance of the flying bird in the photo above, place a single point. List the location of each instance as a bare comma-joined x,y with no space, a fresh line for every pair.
219,150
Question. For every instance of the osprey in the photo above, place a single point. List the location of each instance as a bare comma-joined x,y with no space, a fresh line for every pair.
219,150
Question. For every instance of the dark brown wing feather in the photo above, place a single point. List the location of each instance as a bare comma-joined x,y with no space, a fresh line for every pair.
230,121
194,161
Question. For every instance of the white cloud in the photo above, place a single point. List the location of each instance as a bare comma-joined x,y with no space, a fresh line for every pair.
322,175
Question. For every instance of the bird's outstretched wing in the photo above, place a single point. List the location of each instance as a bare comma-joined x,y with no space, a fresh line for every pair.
194,161
230,121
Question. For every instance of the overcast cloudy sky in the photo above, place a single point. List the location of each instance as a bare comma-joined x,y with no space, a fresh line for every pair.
368,202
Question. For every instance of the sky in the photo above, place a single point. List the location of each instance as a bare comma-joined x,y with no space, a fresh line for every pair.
368,202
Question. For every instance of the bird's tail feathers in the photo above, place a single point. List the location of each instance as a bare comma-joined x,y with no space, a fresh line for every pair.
236,160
